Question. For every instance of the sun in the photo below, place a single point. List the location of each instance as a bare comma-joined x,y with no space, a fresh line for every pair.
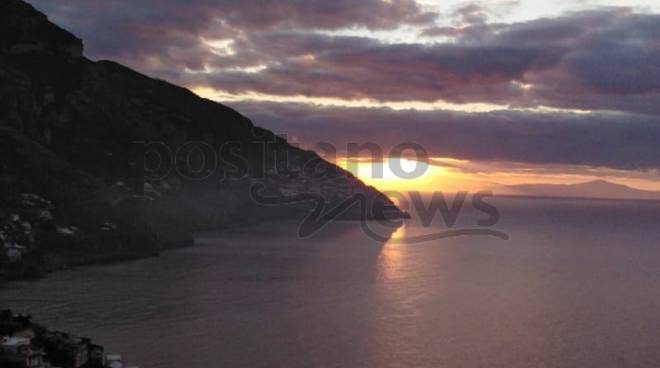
399,174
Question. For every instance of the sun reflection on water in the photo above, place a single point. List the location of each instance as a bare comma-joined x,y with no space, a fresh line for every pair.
390,260
399,234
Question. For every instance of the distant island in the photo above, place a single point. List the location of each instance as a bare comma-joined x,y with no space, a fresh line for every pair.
597,189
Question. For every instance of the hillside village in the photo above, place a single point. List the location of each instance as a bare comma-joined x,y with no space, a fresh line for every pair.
25,344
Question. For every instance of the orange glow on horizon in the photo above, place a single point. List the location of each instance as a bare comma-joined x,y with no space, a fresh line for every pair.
454,177
383,175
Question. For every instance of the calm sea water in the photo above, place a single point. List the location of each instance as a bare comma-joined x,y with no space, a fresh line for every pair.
577,285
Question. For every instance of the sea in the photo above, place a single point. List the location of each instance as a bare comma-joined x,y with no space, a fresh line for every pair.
575,283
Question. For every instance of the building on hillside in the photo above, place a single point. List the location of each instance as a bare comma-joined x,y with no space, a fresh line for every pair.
14,252
66,350
114,361
18,352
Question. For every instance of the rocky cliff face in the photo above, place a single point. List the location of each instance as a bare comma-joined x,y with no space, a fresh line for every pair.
80,134
25,30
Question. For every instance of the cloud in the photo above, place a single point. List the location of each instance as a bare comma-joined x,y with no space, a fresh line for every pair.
601,60
471,13
350,67
116,27
604,59
620,141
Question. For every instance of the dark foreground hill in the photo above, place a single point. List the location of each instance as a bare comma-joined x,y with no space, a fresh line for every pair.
100,162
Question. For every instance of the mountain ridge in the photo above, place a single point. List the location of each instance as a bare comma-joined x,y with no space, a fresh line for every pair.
72,129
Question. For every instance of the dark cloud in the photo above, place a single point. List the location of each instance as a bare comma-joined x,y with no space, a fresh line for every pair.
600,60
622,141
114,28
611,62
350,67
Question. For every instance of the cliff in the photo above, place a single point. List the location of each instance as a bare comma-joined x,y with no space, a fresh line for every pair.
25,30
83,135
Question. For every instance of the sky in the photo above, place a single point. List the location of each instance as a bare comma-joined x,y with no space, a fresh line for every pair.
496,92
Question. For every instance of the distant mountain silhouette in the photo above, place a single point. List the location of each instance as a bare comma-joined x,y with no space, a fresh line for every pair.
70,130
591,189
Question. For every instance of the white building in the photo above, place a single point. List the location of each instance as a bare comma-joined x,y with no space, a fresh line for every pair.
114,361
